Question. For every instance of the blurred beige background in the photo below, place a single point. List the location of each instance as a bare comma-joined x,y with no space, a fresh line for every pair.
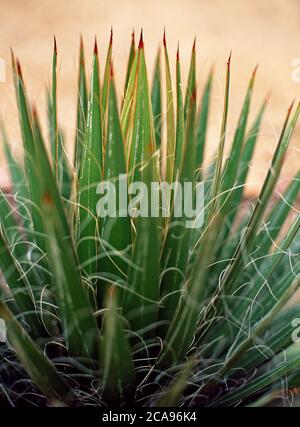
258,31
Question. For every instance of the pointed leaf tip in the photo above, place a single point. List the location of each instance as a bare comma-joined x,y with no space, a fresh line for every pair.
229,59
141,42
133,36
95,47
54,44
267,97
81,52
34,111
291,106
194,95
111,36
251,82
111,71
47,198
255,70
164,38
19,69
212,70
194,45
111,292
12,53
13,61
177,53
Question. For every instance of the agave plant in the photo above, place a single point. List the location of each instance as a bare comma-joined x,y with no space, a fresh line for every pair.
141,309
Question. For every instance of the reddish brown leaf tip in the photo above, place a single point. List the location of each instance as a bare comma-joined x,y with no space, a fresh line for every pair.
141,42
194,45
255,70
164,38
81,51
13,61
291,106
55,44
95,47
111,292
19,69
111,71
267,97
212,69
34,112
194,95
177,53
81,42
229,59
133,37
111,36
47,198
149,148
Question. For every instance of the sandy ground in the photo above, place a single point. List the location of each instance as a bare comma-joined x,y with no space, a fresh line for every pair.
258,31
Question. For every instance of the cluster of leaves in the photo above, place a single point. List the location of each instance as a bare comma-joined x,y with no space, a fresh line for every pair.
144,310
